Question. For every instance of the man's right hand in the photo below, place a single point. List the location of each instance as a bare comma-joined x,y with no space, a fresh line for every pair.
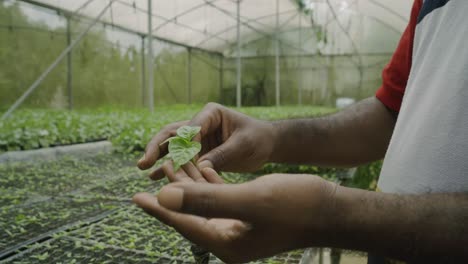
231,141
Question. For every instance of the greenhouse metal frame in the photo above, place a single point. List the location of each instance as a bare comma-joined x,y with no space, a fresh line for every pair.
263,18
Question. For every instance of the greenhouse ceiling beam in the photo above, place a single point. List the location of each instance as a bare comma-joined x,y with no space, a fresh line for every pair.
265,34
315,56
371,54
308,68
335,18
243,23
249,20
172,20
325,24
329,22
286,44
119,27
332,19
388,9
234,27
390,27
53,34
268,35
62,55
285,23
83,6
233,15
380,63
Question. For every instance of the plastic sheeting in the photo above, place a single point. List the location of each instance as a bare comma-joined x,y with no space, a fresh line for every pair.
211,24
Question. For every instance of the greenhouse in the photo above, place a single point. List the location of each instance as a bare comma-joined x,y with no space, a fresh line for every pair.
86,84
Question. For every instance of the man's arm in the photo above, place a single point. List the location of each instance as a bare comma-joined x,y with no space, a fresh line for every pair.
279,213
356,135
235,142
430,228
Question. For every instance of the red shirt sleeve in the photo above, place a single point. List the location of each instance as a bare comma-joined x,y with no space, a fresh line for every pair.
395,75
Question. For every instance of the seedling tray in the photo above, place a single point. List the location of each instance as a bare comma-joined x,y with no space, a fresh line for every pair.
78,210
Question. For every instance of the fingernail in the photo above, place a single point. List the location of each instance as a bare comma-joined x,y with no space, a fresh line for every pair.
141,198
142,158
205,164
171,198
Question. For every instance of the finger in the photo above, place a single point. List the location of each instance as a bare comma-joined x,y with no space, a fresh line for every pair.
209,119
212,200
157,174
193,172
212,176
218,157
178,176
154,150
192,227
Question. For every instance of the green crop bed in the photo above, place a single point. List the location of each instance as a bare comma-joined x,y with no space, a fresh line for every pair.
79,210
39,197
129,130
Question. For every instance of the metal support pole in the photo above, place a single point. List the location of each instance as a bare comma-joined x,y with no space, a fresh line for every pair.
221,76
150,60
143,71
189,75
69,67
299,88
239,65
277,62
62,55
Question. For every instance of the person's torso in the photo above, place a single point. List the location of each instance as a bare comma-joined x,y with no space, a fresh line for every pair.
428,151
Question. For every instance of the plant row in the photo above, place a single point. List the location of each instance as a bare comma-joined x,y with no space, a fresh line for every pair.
129,130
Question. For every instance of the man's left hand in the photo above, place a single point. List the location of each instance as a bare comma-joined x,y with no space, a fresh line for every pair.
243,222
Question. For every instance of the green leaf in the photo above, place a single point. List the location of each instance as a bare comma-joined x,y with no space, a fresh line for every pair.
188,132
168,140
182,151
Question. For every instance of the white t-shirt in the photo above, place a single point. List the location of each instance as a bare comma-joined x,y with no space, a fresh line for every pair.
428,151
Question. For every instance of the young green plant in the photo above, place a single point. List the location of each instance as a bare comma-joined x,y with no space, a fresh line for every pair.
181,147
181,150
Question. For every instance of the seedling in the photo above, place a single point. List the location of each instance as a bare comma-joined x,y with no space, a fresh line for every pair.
181,150
181,147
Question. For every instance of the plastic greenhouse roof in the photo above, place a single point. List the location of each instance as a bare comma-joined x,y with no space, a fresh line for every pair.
211,24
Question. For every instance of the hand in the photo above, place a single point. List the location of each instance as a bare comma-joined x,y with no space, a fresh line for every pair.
231,141
248,221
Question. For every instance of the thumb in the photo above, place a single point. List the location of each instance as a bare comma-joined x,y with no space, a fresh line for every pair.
218,157
211,200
